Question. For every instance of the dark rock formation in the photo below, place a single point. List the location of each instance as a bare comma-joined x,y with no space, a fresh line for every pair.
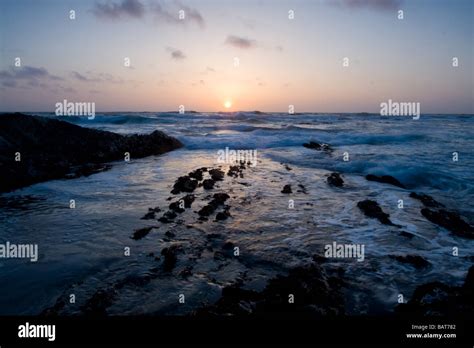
53,149
216,174
414,260
449,220
439,299
318,146
386,179
142,232
335,180
427,200
373,210
218,199
208,184
286,189
315,295
170,255
151,213
167,217
184,184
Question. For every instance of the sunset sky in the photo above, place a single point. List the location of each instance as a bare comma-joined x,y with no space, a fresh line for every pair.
282,61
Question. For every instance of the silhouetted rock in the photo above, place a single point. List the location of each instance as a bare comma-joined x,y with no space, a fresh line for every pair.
427,200
218,199
168,217
216,174
449,220
171,257
184,184
386,179
53,149
373,210
151,213
414,260
208,184
142,232
197,174
184,202
223,215
313,295
335,180
439,299
286,189
318,146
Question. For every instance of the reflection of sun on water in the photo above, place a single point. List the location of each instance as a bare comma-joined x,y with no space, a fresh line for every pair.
227,104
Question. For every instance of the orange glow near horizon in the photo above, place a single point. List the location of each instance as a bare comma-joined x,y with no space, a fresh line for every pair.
228,104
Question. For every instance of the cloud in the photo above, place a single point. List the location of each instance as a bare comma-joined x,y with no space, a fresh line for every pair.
83,78
27,75
171,15
381,5
240,42
125,8
176,54
91,77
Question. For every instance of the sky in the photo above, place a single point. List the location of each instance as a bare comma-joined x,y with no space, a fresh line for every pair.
282,61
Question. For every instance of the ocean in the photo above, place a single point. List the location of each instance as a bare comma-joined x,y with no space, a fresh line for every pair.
81,250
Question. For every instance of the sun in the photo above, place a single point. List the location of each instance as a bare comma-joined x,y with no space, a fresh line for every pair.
228,104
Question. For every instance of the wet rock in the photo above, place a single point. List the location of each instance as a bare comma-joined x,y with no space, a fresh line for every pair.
286,189
148,216
186,272
184,184
207,210
170,255
219,256
208,184
386,179
188,200
196,174
228,246
335,180
439,299
216,174
414,260
318,146
287,167
151,213
170,234
234,171
140,233
372,209
99,302
167,217
449,220
54,149
220,198
176,206
315,295
223,215
427,200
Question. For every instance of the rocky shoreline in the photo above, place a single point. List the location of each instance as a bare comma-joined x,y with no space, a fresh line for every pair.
35,149
306,291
